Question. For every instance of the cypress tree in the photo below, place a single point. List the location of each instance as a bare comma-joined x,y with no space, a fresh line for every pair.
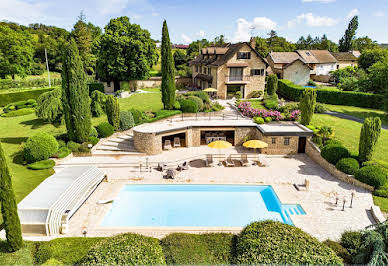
9,208
370,133
168,68
113,111
272,84
75,94
307,105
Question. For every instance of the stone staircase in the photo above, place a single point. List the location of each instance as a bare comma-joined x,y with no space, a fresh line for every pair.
117,144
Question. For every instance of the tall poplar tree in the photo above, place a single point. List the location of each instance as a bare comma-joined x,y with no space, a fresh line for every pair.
9,208
168,68
346,42
75,94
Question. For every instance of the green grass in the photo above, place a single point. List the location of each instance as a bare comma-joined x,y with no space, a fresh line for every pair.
358,112
24,256
348,132
143,102
152,89
381,202
258,104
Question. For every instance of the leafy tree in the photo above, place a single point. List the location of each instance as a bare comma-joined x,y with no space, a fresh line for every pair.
369,57
126,52
364,43
325,132
346,42
370,133
53,45
179,58
49,106
261,46
195,47
272,84
16,52
8,207
113,111
168,75
322,43
219,40
307,105
75,94
378,77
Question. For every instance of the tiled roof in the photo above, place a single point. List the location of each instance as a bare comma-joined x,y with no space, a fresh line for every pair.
283,57
344,56
298,59
307,56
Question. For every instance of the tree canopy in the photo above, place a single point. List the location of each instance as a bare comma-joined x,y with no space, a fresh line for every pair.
346,42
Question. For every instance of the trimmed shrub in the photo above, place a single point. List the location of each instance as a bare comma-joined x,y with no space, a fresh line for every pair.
45,164
334,153
381,192
20,112
333,142
97,86
270,242
198,101
105,130
113,111
39,147
49,106
126,120
209,249
372,175
97,106
93,140
339,250
258,120
333,96
19,105
307,106
93,132
189,106
289,107
351,240
268,119
130,249
62,152
320,108
61,143
370,133
138,116
348,165
177,105
200,94
73,146
14,96
272,84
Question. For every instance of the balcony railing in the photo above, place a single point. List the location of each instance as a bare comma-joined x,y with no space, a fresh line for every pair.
237,78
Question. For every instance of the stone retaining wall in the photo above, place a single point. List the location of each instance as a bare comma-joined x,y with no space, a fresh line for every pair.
157,82
315,154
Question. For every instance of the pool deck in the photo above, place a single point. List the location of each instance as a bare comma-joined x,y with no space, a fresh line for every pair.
323,218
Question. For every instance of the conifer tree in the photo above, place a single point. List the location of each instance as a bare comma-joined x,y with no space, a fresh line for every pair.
168,69
346,42
307,106
272,84
9,208
370,133
113,111
75,94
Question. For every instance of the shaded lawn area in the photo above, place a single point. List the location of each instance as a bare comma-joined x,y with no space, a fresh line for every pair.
348,132
381,202
24,256
358,112
150,102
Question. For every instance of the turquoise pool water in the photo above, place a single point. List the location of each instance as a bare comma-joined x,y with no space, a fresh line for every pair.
197,205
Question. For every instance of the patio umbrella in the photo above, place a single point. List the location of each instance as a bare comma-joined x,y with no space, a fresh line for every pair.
255,144
210,90
219,144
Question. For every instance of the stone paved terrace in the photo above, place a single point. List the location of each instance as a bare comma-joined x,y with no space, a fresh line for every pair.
323,219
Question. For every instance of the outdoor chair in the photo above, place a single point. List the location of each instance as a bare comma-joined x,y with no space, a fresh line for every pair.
177,142
161,167
244,160
209,161
167,144
229,162
183,166
170,174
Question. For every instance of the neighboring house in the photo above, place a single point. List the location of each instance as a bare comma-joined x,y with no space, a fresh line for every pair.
345,59
355,53
231,69
289,65
321,62
180,46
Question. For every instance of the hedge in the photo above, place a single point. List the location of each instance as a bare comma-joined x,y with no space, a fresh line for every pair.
6,84
40,147
203,249
15,96
372,175
96,87
105,130
333,96
270,242
19,105
126,249
20,112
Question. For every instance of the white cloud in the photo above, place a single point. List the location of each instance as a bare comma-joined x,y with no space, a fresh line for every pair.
318,1
155,14
21,11
201,33
378,14
313,21
353,13
245,27
186,38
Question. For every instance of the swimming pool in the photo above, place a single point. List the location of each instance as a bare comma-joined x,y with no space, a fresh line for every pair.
197,205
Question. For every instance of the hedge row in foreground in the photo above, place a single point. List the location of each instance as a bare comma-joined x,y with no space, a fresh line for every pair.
15,96
332,96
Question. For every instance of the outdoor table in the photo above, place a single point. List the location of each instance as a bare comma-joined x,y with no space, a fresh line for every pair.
211,139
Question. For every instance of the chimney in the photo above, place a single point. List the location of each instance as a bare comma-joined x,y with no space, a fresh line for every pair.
252,42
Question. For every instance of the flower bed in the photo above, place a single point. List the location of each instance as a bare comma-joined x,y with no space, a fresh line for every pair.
247,110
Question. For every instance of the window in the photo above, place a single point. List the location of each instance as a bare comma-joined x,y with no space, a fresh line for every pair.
209,71
308,54
243,55
108,84
257,72
273,140
287,141
196,68
236,73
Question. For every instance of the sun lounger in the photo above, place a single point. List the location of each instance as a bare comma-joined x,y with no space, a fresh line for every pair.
177,142
306,185
244,160
167,144
262,161
183,166
209,161
229,162
161,167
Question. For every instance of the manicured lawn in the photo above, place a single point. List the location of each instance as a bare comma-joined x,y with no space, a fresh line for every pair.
358,112
348,132
258,104
142,101
24,256
381,202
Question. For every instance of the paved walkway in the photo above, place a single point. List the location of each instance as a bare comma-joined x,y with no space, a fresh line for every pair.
350,117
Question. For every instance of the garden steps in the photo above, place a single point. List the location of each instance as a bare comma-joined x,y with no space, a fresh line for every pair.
118,144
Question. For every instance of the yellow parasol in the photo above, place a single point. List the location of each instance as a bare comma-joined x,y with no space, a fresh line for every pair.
219,144
255,144
210,90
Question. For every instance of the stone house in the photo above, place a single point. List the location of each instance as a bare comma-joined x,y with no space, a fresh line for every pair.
230,69
288,65
321,63
345,59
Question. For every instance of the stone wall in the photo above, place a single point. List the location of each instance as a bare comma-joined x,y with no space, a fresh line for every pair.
241,133
298,73
148,143
279,147
315,154
157,82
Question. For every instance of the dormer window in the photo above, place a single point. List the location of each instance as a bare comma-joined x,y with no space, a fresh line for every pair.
308,54
243,55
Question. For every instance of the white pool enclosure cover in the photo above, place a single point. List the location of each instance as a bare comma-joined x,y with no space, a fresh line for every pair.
48,208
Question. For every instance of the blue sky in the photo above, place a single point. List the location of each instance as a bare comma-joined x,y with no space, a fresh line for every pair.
191,20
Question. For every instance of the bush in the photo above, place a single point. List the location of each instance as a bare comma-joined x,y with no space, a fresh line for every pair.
333,142
93,132
209,249
15,96
105,129
189,106
96,87
138,116
334,153
73,146
198,101
61,143
20,112
177,105
270,242
372,175
268,119
39,147
126,120
348,165
130,249
200,94
113,111
382,192
217,107
62,152
49,106
351,240
19,105
45,164
272,84
289,107
27,83
93,140
320,108
258,120
339,250
332,96
163,114
97,106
